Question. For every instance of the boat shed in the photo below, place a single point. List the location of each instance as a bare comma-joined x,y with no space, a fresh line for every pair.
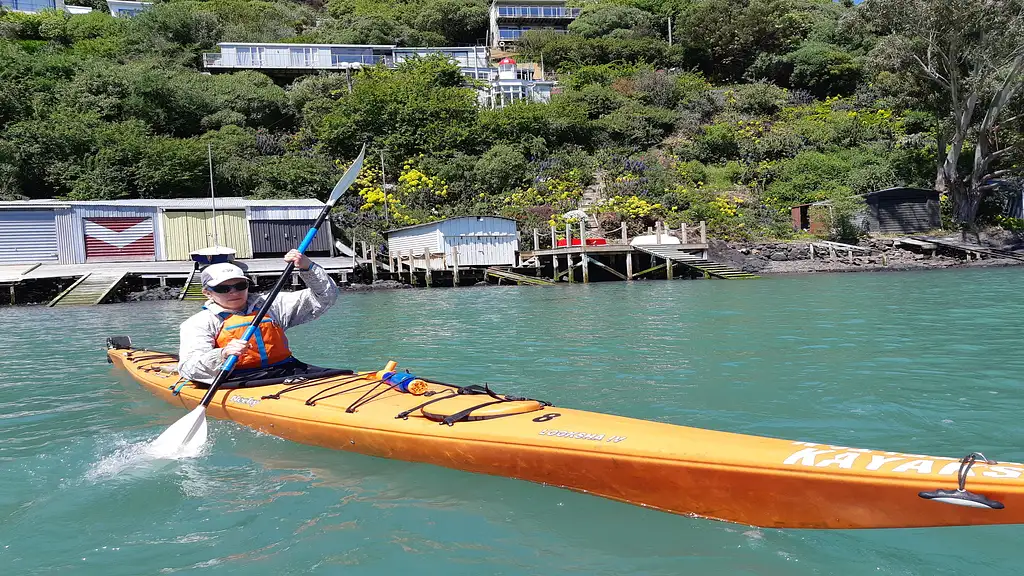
902,210
480,240
75,232
892,210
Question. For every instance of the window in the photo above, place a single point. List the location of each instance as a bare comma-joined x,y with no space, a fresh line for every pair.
249,56
509,33
302,57
29,5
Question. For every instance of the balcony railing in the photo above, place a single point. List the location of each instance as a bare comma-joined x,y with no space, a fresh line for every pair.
512,34
537,12
304,60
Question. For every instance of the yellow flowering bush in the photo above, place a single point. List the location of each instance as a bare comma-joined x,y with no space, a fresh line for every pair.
631,207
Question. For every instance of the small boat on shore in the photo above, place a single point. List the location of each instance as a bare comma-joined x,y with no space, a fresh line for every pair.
746,479
212,255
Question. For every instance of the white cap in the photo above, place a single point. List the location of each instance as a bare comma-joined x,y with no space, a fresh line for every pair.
216,274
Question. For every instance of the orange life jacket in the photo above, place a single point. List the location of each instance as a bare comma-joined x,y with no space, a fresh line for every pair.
268,345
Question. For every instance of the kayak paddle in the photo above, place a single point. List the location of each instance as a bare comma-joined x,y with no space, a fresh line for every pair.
188,435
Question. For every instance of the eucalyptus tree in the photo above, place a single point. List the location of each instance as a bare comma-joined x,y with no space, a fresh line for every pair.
971,54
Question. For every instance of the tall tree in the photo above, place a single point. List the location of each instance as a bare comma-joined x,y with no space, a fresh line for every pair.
971,52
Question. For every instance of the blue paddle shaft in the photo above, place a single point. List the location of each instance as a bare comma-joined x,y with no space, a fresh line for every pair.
307,240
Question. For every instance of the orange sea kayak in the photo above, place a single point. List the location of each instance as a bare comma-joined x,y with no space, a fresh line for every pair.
739,478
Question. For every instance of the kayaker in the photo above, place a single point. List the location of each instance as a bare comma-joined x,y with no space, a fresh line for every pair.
210,336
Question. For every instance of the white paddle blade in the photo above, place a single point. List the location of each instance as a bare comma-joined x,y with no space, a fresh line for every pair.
348,178
184,439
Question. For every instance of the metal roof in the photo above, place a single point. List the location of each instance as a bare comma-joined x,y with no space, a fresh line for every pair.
436,222
227,203
27,204
305,45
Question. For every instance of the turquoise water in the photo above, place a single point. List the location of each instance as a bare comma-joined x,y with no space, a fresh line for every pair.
926,362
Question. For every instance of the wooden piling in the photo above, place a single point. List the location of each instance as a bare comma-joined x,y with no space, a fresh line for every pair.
352,238
703,233
554,265
583,253
427,259
373,261
682,232
536,239
455,265
629,265
554,238
657,232
625,239
668,268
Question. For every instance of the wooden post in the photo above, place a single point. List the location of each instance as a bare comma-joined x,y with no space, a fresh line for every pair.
412,266
554,239
657,232
668,268
568,266
426,259
163,281
11,289
583,252
536,239
682,232
811,248
625,239
455,265
629,265
373,261
362,243
554,265
703,233
568,235
352,237
850,254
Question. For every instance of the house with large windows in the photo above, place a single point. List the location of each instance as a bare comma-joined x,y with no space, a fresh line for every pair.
34,6
511,18
291,60
127,8
497,86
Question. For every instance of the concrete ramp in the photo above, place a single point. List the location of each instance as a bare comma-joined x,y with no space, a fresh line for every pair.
92,288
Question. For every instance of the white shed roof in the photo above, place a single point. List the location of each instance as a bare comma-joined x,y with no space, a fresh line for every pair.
437,223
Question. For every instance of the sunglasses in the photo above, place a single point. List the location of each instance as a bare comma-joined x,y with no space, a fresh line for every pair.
225,288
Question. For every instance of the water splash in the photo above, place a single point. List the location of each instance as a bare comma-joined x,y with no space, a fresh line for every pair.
136,459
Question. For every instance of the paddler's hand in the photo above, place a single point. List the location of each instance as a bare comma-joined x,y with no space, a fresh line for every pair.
302,262
234,348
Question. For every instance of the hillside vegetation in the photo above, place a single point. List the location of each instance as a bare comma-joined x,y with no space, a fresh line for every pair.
756,105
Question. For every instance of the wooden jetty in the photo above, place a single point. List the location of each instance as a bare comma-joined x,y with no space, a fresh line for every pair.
966,249
660,253
94,283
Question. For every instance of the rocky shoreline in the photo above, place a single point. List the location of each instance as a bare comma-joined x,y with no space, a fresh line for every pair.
882,255
878,254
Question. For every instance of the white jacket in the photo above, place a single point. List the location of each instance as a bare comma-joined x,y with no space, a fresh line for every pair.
199,358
